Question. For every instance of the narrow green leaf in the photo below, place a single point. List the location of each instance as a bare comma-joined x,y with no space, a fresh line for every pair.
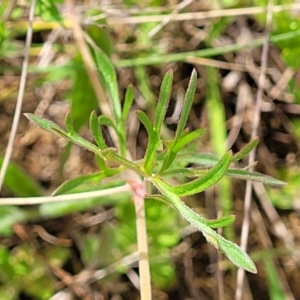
184,172
129,96
82,96
69,125
106,121
188,101
46,125
80,141
235,254
255,176
174,148
109,78
204,159
96,130
245,150
220,222
210,178
235,173
169,156
157,197
73,183
231,250
163,101
276,289
146,122
74,137
153,142
188,138
213,223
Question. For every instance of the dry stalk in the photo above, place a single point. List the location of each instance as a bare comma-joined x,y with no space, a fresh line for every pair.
12,136
254,133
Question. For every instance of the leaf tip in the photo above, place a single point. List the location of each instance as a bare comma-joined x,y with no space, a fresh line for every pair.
27,115
194,72
252,268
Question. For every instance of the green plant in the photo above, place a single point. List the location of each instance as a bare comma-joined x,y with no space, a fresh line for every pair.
162,159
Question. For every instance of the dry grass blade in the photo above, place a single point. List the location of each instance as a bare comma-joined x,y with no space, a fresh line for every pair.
202,15
20,98
254,133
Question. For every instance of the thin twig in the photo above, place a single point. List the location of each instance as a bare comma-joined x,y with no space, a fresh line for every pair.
70,197
14,128
201,15
254,133
224,65
169,17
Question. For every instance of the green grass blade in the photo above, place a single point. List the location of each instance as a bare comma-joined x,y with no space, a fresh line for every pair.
209,52
20,183
218,132
275,290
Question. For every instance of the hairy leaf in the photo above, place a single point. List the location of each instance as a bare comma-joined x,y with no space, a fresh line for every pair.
153,142
163,102
231,250
96,131
208,179
127,103
109,77
245,150
174,147
188,101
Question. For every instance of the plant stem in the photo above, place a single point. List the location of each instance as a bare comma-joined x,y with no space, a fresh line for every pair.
139,188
